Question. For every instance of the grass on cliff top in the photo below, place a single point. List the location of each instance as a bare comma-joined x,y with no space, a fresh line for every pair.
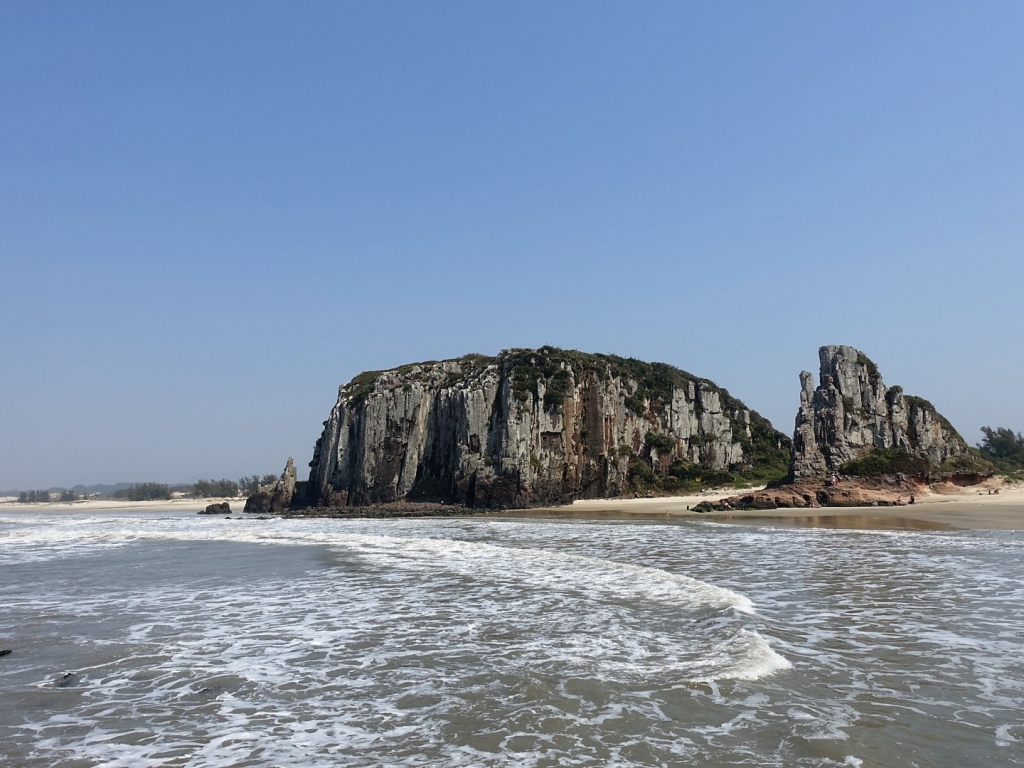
360,387
655,381
868,363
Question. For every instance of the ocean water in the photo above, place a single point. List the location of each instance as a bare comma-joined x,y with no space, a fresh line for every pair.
149,639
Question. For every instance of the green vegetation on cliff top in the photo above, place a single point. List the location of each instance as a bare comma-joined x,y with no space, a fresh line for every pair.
654,381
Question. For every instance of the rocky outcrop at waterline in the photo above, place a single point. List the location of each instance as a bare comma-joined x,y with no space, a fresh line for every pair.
221,508
277,496
852,413
860,443
532,427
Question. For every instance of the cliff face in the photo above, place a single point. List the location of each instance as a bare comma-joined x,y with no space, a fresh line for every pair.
851,411
531,427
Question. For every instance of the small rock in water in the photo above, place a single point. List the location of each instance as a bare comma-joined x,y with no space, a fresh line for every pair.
217,509
69,678
6,652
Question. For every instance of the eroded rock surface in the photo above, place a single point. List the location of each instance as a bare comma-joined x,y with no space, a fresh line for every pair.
846,493
530,427
852,411
277,496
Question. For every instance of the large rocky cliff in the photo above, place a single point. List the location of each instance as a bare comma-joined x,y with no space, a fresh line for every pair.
531,427
852,412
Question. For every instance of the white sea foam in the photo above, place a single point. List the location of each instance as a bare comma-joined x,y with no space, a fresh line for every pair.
491,643
547,568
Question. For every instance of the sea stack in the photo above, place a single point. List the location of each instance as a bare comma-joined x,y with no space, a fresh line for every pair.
852,412
530,427
278,496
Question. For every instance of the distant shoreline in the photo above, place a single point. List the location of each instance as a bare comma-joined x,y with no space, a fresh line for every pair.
971,509
87,505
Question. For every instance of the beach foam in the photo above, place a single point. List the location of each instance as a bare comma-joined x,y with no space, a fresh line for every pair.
213,642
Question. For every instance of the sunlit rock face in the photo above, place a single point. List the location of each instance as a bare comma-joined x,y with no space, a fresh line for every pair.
852,411
527,427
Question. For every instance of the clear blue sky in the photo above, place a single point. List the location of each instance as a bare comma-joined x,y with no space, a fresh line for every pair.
211,214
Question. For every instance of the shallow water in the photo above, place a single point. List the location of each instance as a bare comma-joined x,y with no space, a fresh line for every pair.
148,639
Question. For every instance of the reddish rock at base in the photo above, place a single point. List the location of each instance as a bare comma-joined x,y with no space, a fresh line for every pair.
846,493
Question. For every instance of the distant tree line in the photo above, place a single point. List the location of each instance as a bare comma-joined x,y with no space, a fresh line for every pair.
29,496
143,492
251,484
215,488
26,496
244,486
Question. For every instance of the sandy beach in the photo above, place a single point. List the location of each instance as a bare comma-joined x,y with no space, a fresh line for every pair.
966,508
10,504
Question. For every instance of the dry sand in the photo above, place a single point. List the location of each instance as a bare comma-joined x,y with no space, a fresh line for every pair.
90,505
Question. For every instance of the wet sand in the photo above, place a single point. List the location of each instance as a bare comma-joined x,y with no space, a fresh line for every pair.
968,508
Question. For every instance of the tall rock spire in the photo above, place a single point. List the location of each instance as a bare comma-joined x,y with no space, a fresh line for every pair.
851,411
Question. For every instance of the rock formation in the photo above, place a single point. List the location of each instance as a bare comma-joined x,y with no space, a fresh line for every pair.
851,411
223,508
277,496
531,427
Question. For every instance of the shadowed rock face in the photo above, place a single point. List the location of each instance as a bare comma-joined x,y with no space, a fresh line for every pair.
524,428
277,496
852,411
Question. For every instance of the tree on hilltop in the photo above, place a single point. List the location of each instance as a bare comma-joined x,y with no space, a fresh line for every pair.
1001,444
